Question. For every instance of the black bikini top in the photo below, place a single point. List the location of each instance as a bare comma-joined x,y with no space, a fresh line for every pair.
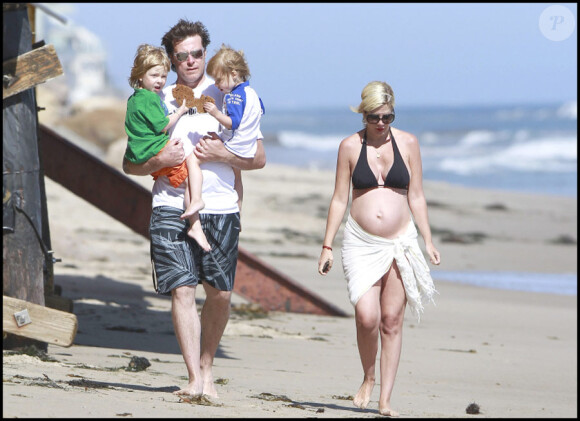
364,178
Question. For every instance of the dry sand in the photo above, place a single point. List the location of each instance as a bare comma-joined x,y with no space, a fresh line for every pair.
512,353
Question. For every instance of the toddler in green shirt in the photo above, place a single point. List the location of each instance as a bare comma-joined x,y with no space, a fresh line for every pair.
146,125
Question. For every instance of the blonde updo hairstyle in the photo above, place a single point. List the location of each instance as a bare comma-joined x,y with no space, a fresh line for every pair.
225,61
147,56
374,95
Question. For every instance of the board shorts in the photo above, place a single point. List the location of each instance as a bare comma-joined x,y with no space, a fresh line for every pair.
177,260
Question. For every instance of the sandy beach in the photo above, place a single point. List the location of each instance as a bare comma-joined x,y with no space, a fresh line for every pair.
512,353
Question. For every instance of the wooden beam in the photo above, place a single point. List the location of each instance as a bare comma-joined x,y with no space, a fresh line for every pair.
30,69
34,321
130,204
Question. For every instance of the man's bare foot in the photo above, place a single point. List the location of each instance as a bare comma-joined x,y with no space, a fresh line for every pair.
193,208
188,398
387,411
192,391
198,400
210,390
363,396
208,385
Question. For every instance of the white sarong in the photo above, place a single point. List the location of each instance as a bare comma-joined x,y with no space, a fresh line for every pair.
367,257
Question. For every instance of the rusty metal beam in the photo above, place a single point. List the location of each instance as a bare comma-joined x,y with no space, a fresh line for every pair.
130,203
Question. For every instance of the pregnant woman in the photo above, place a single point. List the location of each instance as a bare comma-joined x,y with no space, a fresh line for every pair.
383,264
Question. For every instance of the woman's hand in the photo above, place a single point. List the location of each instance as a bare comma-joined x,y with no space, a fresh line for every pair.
433,253
325,261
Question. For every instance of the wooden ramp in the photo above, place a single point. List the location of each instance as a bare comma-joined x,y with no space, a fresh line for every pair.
130,203
38,322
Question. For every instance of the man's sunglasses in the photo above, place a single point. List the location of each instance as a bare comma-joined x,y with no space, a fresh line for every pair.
385,118
183,55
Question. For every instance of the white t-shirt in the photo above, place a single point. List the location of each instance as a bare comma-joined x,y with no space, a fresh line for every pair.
218,191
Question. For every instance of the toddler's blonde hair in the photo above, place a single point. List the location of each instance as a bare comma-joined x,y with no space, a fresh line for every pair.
147,56
225,61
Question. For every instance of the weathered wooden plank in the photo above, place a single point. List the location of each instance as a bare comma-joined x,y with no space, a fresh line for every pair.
30,69
38,322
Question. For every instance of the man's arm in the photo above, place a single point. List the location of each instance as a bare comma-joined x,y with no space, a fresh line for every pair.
171,155
211,149
239,188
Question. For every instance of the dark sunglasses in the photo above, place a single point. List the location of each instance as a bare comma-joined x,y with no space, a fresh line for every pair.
183,55
385,118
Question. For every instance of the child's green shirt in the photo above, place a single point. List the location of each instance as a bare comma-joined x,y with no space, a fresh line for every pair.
145,119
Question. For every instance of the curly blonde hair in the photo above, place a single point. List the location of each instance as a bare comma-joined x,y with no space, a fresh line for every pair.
147,56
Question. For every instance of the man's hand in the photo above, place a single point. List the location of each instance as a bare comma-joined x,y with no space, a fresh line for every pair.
210,148
171,155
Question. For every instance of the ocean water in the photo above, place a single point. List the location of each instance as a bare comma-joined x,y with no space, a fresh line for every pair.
527,148
553,283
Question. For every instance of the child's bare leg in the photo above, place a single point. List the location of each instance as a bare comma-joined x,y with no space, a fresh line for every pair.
191,206
195,231
194,181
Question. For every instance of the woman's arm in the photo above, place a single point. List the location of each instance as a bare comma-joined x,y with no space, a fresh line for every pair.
171,155
338,205
417,201
211,149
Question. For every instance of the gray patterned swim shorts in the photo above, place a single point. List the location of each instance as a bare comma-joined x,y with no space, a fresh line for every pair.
177,260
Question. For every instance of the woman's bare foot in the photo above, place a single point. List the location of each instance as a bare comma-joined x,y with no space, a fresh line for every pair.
197,234
193,208
387,411
363,396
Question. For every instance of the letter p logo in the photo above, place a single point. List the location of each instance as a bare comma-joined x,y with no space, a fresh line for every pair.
557,23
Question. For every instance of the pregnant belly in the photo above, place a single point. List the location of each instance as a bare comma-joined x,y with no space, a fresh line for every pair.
381,212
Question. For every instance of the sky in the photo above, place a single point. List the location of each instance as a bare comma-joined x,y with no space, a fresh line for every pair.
323,54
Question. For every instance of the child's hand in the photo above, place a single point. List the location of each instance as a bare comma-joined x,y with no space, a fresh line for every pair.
210,108
183,109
